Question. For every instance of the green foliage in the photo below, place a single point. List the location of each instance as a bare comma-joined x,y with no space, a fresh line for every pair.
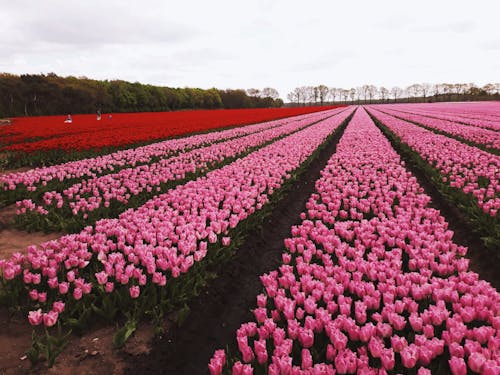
40,94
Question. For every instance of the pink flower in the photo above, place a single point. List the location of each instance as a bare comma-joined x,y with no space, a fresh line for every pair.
63,287
58,307
307,359
476,361
306,337
457,366
35,317
134,291
42,297
50,318
226,241
409,356
102,277
261,351
77,293
217,362
33,294
109,287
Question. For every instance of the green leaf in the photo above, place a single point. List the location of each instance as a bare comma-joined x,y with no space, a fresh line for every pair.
124,333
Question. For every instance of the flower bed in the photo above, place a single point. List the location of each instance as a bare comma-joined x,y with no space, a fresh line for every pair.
127,264
371,281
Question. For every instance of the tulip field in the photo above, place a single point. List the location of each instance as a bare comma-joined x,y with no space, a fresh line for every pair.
371,278
44,140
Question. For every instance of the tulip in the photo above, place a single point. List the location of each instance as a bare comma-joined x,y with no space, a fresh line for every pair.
457,366
35,317
50,318
134,291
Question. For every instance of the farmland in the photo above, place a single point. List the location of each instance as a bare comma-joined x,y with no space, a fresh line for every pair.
309,240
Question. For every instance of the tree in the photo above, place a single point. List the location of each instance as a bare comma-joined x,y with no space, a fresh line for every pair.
333,91
384,93
372,92
269,92
396,92
364,91
323,93
253,92
295,96
425,88
352,93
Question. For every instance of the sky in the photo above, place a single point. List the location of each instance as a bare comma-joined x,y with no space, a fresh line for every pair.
254,44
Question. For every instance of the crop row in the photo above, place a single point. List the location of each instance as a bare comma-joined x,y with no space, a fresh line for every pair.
371,281
127,264
108,195
481,121
93,167
467,177
44,133
489,139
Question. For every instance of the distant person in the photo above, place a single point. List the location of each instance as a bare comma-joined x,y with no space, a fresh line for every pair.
98,115
110,116
68,120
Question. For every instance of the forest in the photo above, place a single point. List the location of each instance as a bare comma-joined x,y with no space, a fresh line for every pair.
50,94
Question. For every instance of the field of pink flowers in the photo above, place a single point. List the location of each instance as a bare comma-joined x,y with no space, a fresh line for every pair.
371,280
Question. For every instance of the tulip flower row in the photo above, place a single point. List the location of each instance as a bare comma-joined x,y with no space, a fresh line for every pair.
465,167
165,237
371,282
481,121
485,137
476,110
90,168
94,193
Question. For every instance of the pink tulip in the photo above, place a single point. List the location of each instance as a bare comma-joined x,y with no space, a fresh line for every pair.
50,318
457,366
476,362
58,307
134,291
35,317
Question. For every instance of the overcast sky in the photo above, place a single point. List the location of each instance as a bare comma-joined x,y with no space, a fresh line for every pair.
258,43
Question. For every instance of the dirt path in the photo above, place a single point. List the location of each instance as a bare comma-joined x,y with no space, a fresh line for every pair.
226,303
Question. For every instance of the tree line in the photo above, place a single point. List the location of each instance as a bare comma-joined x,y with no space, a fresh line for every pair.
418,92
50,94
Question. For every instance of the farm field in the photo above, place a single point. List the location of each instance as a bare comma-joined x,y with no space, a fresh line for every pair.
43,140
312,240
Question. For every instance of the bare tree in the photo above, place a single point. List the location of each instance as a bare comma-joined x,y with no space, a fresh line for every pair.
372,92
425,88
323,93
315,94
352,93
413,90
364,91
333,91
253,92
269,92
345,94
384,93
396,92
295,96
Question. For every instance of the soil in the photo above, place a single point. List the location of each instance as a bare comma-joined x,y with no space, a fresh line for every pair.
13,240
228,300
90,354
